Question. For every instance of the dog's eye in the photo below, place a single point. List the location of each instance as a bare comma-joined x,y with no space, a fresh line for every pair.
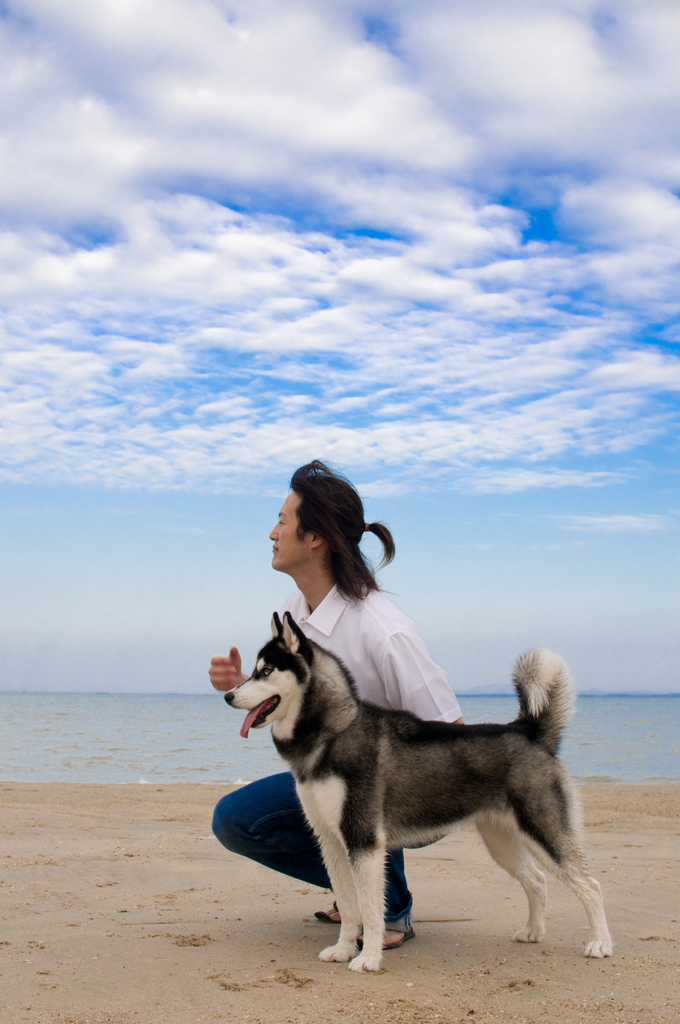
266,671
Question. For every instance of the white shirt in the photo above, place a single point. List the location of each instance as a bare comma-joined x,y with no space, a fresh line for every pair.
383,650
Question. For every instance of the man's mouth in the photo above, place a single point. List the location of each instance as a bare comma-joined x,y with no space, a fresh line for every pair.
258,716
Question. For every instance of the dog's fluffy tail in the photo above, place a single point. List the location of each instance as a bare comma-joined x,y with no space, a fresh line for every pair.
545,695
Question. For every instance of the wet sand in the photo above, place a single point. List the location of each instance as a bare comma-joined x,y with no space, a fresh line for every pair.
117,906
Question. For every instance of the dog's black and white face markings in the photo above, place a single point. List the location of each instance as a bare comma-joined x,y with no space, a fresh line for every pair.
267,694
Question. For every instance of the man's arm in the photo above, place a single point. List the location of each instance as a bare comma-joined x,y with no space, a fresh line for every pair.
414,682
226,673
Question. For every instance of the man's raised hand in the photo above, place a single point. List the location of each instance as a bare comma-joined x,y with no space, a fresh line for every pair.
225,673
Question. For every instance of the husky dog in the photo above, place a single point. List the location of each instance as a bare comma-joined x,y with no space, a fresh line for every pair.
371,780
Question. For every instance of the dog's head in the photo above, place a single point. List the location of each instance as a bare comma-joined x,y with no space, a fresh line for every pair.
274,690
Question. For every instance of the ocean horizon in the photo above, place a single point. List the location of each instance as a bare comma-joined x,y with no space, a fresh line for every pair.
586,693
144,738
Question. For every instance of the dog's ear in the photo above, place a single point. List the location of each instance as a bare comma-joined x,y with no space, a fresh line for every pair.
277,628
293,637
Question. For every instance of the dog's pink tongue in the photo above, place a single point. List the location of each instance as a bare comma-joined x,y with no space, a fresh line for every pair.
252,715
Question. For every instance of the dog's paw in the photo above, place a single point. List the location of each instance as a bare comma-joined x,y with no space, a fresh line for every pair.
339,953
599,948
364,962
530,933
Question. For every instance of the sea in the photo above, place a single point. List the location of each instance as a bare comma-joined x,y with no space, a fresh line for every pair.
151,738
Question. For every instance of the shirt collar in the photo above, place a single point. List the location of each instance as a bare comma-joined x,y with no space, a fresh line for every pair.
326,615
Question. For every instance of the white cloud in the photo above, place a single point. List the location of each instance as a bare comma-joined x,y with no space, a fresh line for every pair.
155,335
109,100
511,481
641,523
176,358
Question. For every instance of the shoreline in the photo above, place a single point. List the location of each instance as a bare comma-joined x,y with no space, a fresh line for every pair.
117,905
585,781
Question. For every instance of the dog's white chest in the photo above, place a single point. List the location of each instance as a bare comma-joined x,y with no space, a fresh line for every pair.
323,802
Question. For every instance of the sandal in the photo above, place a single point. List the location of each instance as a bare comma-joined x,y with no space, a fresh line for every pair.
410,934
327,915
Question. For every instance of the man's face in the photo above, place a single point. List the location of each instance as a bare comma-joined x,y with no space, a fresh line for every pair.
289,552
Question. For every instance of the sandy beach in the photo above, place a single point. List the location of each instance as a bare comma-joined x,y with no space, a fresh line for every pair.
117,905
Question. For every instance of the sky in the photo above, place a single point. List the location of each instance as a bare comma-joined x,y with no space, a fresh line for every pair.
434,244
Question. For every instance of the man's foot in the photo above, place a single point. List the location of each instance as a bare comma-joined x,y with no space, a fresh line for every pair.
391,940
331,916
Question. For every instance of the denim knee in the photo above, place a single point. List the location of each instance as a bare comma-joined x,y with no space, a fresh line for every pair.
232,833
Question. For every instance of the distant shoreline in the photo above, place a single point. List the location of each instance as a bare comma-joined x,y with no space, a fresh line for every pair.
170,693
588,781
590,693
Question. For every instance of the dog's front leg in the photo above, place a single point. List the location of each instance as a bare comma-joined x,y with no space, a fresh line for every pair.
342,881
368,868
323,804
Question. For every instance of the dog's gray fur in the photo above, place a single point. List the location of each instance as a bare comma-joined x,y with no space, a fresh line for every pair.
370,780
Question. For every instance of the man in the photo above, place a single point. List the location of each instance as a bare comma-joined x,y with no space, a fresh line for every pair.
339,605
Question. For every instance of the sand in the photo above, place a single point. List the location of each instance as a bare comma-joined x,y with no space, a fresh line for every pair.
117,905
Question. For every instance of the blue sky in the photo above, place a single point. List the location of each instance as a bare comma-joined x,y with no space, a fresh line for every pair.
435,244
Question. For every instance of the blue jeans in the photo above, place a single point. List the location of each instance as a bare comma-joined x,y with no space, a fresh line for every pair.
265,822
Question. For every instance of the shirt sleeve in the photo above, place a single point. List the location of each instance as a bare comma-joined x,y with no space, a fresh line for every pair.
413,682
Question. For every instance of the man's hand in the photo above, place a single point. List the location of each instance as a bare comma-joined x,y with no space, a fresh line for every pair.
225,673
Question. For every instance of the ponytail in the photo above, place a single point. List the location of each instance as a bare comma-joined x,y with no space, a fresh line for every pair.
385,538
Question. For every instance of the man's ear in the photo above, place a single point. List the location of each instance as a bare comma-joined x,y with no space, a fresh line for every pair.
277,628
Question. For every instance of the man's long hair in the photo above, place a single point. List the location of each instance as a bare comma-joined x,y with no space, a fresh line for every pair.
330,506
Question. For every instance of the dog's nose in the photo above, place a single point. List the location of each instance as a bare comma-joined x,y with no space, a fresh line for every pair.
229,696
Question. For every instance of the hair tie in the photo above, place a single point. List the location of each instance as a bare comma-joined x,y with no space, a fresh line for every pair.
367,527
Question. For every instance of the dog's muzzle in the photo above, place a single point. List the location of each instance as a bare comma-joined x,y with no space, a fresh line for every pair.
257,716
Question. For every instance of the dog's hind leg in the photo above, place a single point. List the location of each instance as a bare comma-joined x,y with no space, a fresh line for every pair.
573,874
368,868
507,846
